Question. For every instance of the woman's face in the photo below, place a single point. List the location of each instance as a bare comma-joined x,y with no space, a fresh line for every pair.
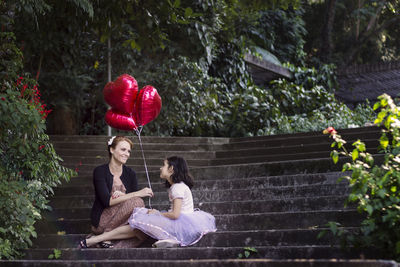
121,152
166,171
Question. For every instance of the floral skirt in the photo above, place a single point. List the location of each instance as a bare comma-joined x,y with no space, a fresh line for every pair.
188,229
118,215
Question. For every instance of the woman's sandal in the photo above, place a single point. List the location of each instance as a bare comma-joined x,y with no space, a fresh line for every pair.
82,244
106,244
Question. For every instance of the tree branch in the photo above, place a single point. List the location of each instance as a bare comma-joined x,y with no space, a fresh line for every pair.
354,49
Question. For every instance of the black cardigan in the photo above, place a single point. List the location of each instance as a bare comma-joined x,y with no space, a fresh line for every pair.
103,181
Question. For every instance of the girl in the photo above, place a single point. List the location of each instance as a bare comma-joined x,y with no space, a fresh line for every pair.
180,226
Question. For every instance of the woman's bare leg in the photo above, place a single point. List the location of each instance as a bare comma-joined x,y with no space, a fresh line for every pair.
122,232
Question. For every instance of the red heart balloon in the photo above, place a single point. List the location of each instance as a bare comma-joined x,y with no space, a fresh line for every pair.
120,121
148,105
121,94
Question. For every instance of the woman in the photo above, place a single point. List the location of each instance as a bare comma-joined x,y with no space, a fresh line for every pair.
116,192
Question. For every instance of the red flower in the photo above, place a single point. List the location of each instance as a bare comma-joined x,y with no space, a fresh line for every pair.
330,130
41,147
3,99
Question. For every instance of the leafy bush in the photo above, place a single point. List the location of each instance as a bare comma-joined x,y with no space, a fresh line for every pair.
196,103
29,166
308,103
375,187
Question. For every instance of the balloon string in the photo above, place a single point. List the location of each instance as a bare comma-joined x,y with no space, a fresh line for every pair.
138,131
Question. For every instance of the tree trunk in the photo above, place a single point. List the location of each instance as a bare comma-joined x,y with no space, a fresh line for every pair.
364,37
326,35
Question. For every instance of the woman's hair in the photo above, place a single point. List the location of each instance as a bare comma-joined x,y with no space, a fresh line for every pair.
113,142
181,171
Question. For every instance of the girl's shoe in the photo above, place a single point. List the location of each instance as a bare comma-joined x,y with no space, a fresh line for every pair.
82,244
166,243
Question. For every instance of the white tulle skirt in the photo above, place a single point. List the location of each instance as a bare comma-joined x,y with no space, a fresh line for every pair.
188,229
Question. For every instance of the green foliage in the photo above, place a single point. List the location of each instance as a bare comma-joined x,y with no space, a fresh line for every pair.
248,252
11,57
55,255
281,32
308,103
363,31
195,103
29,166
192,52
375,186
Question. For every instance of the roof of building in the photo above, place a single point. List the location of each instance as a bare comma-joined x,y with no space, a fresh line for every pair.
263,71
360,82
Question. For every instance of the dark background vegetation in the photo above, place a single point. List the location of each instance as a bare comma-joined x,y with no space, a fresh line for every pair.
192,52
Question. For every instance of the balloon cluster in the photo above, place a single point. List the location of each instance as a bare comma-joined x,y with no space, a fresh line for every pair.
130,109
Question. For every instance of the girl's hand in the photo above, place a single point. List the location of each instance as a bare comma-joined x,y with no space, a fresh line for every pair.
117,194
152,211
146,192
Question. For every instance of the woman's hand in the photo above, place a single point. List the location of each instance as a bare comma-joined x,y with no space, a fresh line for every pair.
117,194
145,192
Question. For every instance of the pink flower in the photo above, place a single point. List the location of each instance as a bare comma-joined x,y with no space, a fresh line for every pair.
330,130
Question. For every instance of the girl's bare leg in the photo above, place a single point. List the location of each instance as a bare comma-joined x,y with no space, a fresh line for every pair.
122,232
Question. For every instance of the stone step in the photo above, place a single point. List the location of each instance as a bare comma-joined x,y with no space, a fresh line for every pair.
289,150
228,207
234,222
78,187
241,170
200,196
269,181
207,262
273,193
158,151
103,139
87,166
60,146
269,141
285,167
269,252
360,131
251,238
96,161
320,165
136,153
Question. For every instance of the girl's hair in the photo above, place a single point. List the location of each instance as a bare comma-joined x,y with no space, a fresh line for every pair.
114,142
181,171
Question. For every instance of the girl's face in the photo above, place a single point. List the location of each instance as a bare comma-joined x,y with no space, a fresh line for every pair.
121,152
166,171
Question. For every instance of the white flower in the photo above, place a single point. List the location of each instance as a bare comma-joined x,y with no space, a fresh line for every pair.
111,141
395,123
396,159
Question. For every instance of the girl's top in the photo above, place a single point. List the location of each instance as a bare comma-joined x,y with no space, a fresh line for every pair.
103,182
181,190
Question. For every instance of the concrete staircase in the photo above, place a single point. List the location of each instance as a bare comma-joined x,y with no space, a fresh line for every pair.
273,194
